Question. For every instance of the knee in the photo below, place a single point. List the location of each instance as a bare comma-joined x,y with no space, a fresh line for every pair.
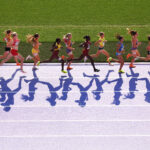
35,58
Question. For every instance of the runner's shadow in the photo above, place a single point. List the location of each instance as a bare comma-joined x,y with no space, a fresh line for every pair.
132,84
32,88
147,94
53,91
99,84
117,89
66,86
8,92
83,91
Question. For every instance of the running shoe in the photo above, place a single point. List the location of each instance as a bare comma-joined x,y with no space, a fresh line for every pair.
38,63
109,59
136,58
132,66
17,64
129,55
63,71
110,64
96,70
121,71
69,68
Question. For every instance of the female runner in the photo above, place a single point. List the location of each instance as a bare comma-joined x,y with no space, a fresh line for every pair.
101,43
14,51
67,40
9,41
119,52
85,52
134,50
34,40
55,54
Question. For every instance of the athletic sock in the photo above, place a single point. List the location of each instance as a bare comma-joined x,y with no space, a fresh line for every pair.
85,59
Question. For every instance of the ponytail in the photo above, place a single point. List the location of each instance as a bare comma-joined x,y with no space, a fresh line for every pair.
86,37
67,35
131,32
119,37
29,38
7,32
101,33
32,38
14,34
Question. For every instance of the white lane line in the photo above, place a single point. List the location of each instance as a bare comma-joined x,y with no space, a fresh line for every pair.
73,136
75,106
45,121
85,78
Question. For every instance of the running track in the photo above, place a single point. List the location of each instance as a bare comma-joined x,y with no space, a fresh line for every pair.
81,110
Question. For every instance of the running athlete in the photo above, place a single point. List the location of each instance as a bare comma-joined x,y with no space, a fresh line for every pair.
67,40
14,51
55,51
34,40
147,58
9,41
101,43
85,52
134,50
120,50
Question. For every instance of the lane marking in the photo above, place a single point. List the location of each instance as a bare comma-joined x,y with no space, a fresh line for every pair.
75,106
73,136
45,121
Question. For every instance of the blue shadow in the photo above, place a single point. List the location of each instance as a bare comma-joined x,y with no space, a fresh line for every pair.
83,91
66,86
99,84
53,91
117,89
147,94
32,88
8,92
132,84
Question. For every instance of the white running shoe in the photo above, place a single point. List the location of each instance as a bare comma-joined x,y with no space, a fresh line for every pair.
28,57
111,64
136,58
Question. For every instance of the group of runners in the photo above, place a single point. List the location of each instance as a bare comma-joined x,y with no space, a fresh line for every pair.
12,42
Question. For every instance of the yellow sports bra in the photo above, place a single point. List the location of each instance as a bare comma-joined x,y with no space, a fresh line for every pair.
58,47
102,42
34,51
